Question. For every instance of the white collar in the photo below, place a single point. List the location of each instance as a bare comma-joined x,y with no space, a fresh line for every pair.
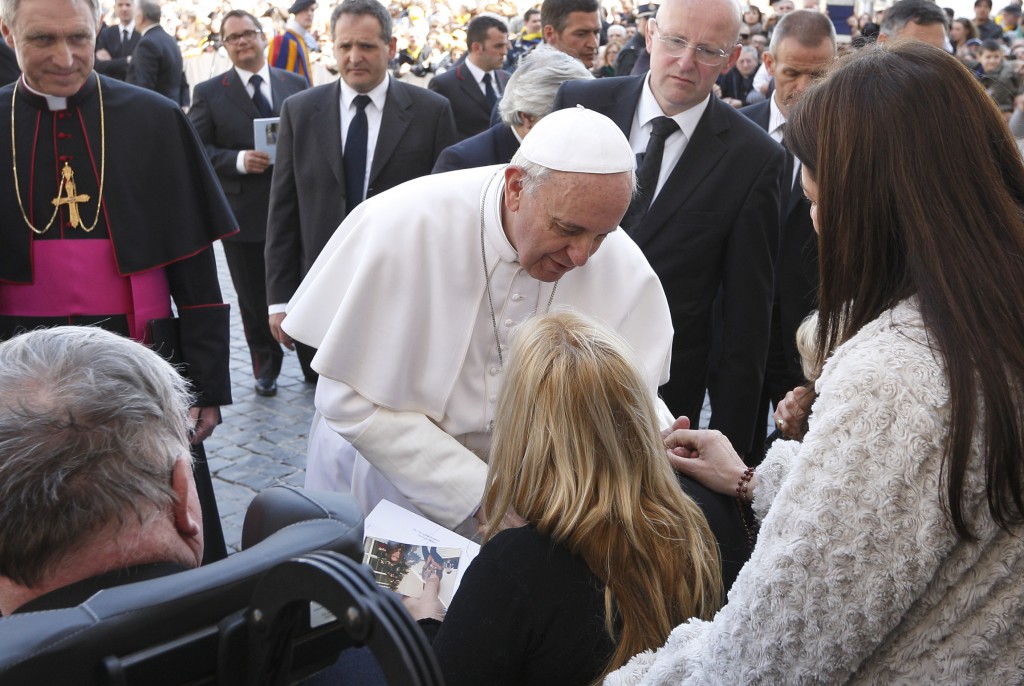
148,29
776,119
263,73
378,95
297,28
54,102
130,28
648,109
493,228
479,73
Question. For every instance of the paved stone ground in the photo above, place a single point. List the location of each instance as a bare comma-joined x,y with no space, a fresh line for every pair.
262,441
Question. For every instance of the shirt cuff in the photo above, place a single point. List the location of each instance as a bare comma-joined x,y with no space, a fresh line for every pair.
240,162
277,309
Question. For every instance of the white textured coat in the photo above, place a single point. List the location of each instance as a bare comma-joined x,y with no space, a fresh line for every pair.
858,575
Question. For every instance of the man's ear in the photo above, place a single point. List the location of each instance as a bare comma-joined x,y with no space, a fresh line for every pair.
513,187
549,34
8,35
769,63
187,510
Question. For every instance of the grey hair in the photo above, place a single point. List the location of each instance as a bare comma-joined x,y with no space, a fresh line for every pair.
150,10
924,12
91,425
9,10
535,174
533,86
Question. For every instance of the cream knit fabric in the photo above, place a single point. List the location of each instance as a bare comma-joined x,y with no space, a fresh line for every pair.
858,576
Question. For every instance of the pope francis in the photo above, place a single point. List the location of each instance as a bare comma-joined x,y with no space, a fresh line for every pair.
411,305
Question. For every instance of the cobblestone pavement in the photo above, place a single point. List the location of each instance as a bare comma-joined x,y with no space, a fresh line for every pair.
262,441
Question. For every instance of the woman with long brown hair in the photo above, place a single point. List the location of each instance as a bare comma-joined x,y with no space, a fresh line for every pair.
612,555
891,547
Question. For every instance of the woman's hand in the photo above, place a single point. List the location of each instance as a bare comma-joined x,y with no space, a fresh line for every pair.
791,414
428,605
708,457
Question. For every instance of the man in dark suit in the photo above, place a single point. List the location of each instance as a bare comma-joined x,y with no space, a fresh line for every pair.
223,111
528,98
116,43
392,132
707,213
803,46
474,86
156,62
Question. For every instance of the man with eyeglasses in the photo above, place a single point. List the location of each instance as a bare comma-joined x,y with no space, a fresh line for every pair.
223,110
707,212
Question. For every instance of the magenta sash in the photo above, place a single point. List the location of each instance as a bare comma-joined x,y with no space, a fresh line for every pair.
79,277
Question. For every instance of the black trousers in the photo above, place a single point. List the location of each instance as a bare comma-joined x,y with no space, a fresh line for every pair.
248,274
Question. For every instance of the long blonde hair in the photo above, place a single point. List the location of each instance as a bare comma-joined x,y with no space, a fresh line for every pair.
578,455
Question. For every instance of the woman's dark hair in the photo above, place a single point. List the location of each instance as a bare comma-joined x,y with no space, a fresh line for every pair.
898,218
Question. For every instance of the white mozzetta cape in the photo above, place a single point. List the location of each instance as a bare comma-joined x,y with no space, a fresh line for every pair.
392,300
857,576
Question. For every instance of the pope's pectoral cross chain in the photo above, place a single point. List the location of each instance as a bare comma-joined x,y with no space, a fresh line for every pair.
70,197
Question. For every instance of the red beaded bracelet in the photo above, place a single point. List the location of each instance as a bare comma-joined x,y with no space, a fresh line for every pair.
742,499
741,488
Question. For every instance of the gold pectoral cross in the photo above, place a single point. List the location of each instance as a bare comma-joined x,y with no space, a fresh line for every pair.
71,197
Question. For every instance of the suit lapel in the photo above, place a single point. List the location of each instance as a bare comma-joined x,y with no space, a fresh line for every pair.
237,94
469,86
394,121
277,91
702,153
622,103
325,126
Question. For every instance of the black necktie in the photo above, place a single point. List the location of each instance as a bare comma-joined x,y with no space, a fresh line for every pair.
647,174
354,155
262,106
124,36
492,97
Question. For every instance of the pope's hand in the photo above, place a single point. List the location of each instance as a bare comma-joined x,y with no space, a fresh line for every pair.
707,457
276,320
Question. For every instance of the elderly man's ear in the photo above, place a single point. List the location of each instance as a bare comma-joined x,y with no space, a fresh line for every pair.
188,513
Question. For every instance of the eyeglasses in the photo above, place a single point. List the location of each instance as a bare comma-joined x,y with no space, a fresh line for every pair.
247,35
677,47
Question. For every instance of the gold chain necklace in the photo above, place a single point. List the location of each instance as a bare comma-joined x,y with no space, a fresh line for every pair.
67,176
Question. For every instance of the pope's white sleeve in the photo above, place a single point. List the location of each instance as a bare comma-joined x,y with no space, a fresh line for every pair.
438,474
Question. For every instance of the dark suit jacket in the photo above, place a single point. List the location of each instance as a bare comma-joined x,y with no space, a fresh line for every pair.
796,268
496,145
110,40
307,197
222,112
9,70
156,64
472,114
713,229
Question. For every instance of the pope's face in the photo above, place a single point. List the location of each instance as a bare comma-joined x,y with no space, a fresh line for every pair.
560,223
55,41
361,53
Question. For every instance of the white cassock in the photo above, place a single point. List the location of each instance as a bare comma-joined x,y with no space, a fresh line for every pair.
409,371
